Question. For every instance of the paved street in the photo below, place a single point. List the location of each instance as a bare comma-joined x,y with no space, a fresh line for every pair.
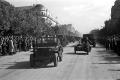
98,65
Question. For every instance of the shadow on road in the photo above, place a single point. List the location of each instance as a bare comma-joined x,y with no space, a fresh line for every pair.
109,58
44,66
78,53
114,58
26,65
114,69
107,63
101,51
20,65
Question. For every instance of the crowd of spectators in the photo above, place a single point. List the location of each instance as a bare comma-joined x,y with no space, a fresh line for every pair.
111,43
9,45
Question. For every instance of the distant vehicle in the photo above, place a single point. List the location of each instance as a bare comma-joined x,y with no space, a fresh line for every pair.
83,46
91,39
47,49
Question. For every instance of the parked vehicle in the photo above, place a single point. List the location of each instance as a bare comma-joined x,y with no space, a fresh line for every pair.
47,49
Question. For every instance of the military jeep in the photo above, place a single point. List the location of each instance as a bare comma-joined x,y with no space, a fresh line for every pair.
46,50
83,46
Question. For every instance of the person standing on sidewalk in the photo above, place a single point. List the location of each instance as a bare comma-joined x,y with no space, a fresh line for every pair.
11,46
107,44
4,47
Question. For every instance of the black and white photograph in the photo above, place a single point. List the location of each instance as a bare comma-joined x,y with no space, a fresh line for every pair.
59,39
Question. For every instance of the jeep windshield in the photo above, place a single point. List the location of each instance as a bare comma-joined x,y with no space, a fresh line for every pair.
46,41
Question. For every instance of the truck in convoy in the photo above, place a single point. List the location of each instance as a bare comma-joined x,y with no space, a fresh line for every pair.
91,39
47,49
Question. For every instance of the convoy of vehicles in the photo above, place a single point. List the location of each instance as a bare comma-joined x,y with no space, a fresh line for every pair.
85,43
47,49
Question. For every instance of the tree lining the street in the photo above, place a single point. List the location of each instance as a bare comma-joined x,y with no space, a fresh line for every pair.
27,21
112,26
21,21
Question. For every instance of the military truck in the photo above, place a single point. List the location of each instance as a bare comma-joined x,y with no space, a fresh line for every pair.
91,39
47,49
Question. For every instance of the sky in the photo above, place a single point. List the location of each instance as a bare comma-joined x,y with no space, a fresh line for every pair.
85,15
